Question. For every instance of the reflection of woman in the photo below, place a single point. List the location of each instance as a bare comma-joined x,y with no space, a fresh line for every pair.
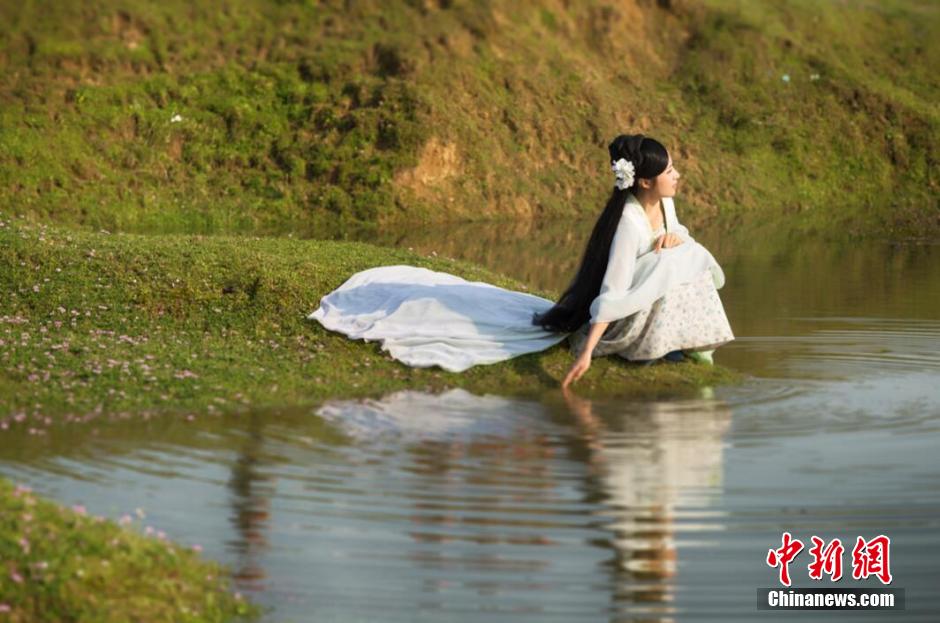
645,289
653,458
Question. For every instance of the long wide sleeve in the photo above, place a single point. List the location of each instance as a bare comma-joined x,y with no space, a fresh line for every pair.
636,277
618,277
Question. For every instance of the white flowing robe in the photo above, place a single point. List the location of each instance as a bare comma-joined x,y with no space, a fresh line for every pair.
636,276
425,318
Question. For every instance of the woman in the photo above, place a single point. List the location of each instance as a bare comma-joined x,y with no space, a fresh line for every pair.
646,293
645,289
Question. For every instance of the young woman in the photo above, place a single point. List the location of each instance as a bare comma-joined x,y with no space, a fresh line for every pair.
645,289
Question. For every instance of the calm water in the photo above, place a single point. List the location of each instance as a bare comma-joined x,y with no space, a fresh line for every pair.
456,507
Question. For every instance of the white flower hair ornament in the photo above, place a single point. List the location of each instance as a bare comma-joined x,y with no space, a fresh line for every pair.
623,171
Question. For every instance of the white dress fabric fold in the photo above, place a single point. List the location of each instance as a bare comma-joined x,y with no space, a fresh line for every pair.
689,317
636,276
656,303
425,318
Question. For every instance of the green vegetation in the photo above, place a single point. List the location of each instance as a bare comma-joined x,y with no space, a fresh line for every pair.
63,565
824,111
311,117
108,323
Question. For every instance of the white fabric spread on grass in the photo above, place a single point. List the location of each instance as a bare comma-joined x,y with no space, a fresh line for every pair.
426,318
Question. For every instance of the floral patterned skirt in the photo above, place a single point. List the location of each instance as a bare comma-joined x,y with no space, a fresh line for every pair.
688,317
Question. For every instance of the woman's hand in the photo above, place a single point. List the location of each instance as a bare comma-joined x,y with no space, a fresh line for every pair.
583,362
667,241
578,368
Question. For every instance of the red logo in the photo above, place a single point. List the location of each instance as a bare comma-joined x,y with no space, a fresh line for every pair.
868,558
871,558
828,559
783,556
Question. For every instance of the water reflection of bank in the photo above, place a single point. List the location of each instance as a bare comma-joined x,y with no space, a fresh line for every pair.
252,490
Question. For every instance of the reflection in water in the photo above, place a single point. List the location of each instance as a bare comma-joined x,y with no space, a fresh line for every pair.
414,415
541,253
648,466
251,505
490,513
650,463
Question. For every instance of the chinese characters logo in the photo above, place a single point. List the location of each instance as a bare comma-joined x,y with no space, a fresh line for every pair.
869,558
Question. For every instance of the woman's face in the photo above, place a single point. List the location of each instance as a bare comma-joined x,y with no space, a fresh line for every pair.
666,183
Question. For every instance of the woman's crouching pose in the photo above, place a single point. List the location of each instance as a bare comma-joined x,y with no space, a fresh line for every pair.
645,289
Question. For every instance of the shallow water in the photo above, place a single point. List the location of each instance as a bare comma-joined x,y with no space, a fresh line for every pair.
420,507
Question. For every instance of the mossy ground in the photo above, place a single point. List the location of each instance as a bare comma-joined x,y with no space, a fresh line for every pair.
269,117
62,564
99,323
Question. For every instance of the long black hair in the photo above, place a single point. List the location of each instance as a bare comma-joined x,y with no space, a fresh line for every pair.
573,309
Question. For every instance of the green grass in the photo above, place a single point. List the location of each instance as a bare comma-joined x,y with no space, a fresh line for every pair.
106,323
314,117
824,113
62,564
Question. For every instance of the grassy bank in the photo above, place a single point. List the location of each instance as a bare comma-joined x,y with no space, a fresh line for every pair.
61,564
264,117
105,323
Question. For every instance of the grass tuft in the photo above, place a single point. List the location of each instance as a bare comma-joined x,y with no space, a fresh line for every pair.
61,564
